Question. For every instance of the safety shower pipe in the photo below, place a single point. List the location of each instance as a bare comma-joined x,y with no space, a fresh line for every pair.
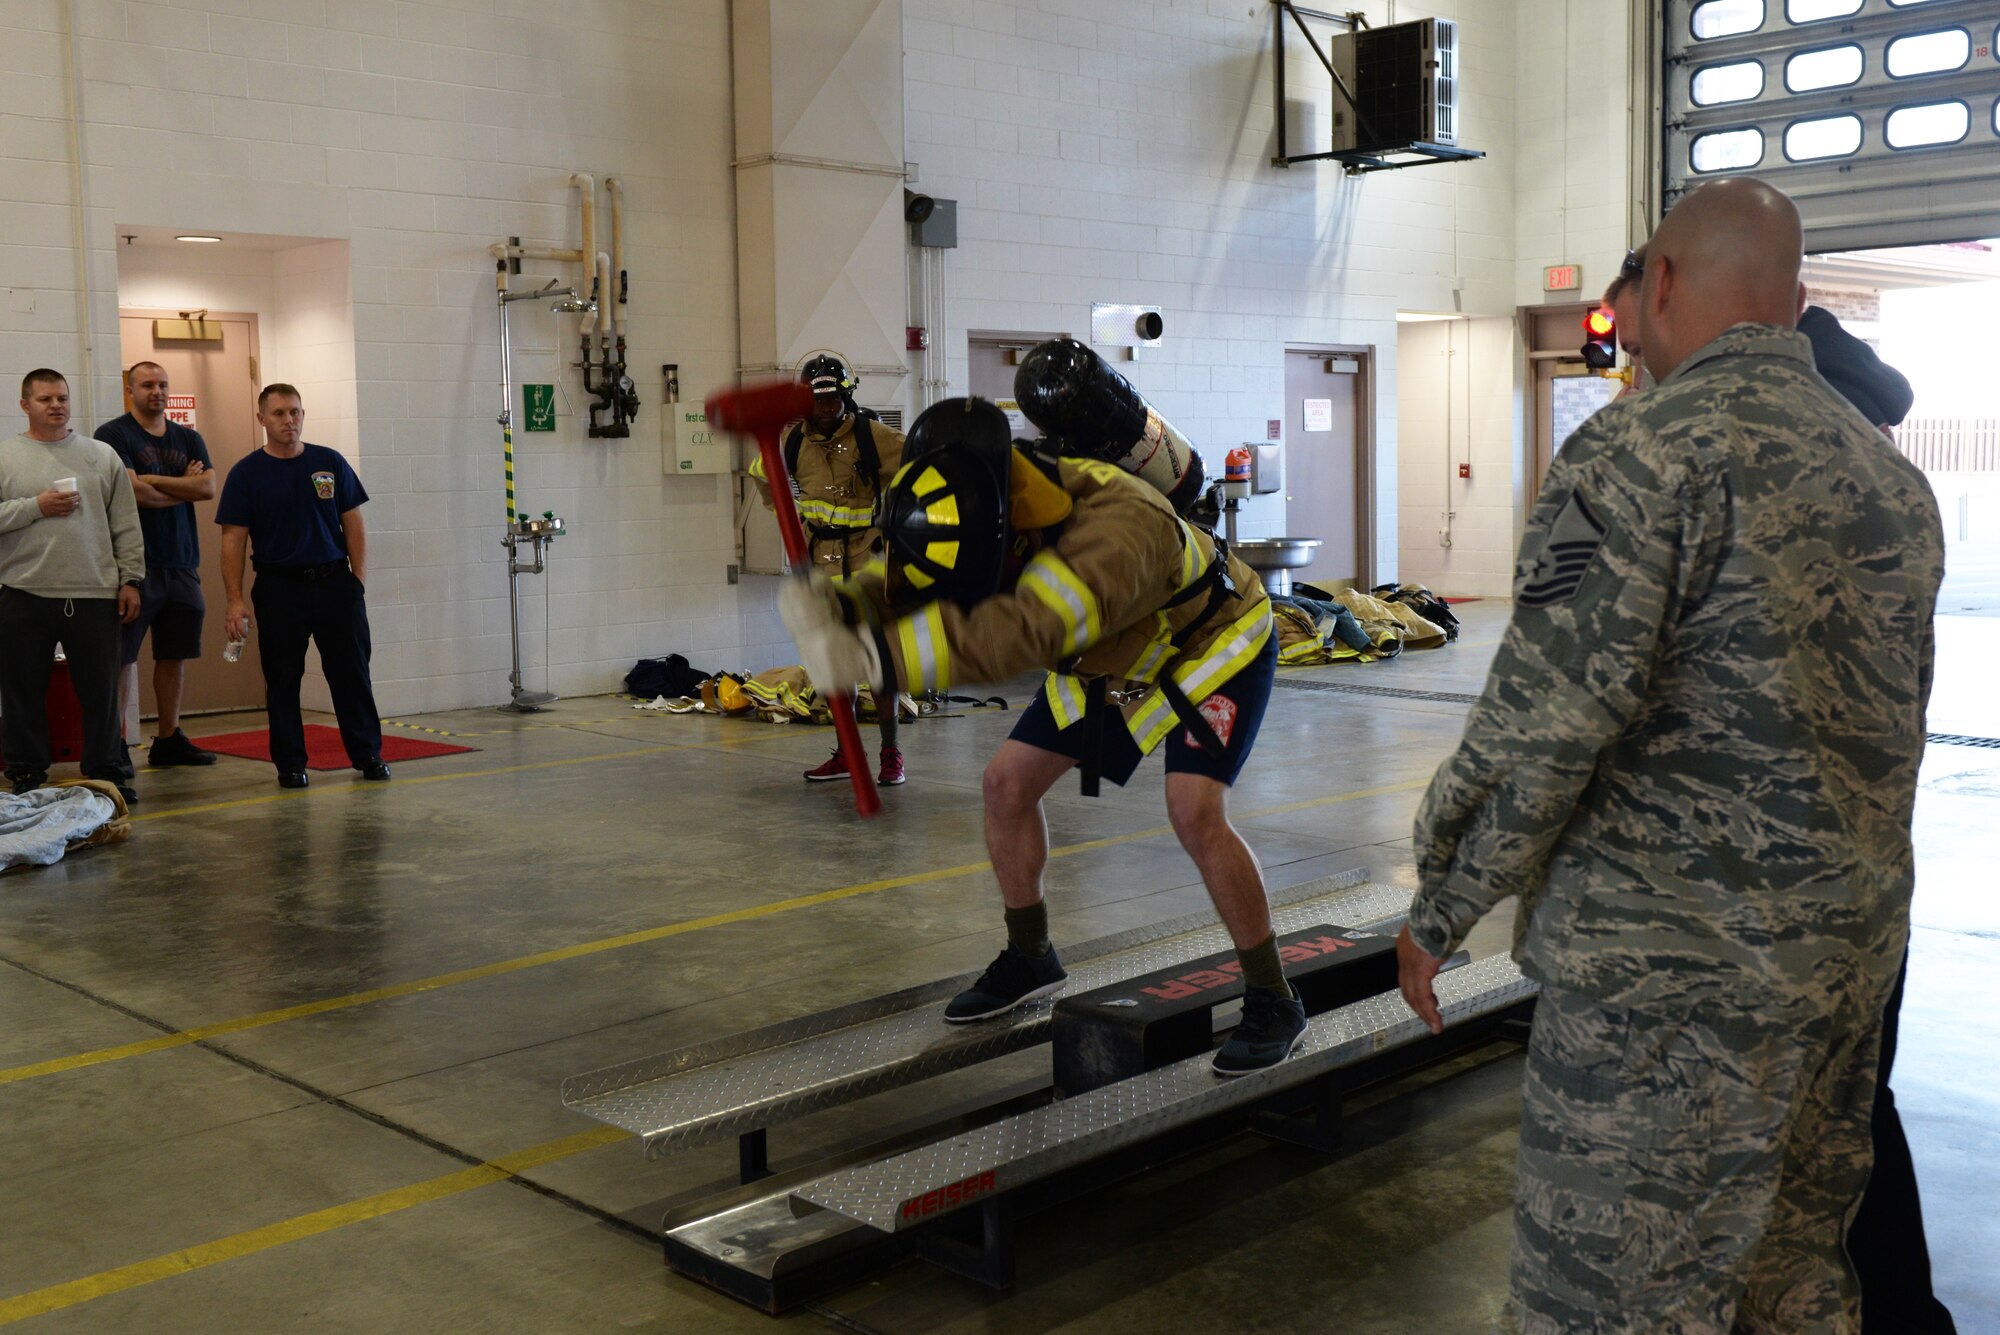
587,184
616,189
80,210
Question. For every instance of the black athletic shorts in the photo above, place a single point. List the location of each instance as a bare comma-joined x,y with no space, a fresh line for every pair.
1235,711
171,607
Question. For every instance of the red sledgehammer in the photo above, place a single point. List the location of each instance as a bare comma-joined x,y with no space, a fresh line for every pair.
762,411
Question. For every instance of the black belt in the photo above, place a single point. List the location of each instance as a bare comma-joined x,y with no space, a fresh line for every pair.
303,572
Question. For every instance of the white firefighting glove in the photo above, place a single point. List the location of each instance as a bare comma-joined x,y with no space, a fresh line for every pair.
837,656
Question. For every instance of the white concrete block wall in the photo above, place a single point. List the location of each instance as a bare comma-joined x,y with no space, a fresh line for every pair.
1101,150
415,135
1121,152
1571,152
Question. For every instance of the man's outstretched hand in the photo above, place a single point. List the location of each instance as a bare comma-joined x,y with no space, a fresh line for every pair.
1416,969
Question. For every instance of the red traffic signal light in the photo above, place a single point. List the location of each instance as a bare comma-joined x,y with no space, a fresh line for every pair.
1600,339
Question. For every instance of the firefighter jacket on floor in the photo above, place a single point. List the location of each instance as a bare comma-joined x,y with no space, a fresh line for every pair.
1122,589
836,496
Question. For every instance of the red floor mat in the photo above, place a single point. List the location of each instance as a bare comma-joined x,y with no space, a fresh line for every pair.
323,748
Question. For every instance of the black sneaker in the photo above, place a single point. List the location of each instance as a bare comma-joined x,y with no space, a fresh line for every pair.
27,783
1012,978
177,749
292,778
1271,1028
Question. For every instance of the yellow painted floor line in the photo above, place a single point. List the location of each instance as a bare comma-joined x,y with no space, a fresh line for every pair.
498,968
306,794
56,1297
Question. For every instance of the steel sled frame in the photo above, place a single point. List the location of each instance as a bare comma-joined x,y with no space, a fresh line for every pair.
953,1195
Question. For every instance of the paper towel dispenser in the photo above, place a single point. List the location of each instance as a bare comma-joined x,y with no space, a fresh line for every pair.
1267,468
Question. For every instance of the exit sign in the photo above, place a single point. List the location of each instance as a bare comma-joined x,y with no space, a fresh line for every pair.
1561,278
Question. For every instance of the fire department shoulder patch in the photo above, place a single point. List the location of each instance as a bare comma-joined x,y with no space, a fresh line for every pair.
323,485
1220,711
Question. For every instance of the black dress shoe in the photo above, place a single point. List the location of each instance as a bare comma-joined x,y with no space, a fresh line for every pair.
292,778
129,793
376,772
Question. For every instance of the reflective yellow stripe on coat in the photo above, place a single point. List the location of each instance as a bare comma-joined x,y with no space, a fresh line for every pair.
825,514
921,645
1066,698
1201,676
1051,580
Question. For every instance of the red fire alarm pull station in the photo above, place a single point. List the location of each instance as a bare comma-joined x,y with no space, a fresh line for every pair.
1465,471
916,338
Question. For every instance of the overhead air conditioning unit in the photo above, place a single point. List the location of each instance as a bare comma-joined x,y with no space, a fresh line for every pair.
1404,83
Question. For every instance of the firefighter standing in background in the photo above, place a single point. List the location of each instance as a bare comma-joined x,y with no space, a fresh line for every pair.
999,563
838,457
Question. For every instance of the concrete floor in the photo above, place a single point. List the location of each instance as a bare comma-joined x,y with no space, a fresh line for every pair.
195,1145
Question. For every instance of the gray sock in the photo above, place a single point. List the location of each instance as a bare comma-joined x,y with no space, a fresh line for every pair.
1028,929
1262,968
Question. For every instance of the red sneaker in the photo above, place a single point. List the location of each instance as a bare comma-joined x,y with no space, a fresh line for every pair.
892,768
834,768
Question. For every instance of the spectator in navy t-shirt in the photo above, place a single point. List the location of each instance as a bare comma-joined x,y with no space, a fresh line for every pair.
170,471
298,509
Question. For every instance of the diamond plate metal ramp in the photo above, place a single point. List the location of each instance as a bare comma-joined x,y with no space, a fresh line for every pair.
920,1186
747,1082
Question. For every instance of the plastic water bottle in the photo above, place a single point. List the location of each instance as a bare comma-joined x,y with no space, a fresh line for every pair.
233,651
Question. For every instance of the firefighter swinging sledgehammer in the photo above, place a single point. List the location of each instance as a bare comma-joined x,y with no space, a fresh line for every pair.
999,562
838,457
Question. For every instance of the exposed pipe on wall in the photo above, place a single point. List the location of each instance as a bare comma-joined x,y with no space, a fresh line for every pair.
80,215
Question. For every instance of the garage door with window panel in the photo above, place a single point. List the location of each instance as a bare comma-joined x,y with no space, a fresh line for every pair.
1880,118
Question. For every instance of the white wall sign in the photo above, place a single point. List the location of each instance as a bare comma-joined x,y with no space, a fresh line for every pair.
180,410
1319,414
1017,421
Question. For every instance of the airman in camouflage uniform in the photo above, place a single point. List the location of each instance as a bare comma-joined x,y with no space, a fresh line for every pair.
1695,763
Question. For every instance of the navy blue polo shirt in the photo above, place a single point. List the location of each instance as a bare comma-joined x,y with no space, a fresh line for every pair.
171,541
292,507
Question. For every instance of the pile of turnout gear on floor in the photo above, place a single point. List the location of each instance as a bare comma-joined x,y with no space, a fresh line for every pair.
1316,625
776,695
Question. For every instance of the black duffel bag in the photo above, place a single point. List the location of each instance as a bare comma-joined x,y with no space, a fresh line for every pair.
670,676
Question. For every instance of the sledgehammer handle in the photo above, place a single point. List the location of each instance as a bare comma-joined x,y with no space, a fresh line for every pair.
748,409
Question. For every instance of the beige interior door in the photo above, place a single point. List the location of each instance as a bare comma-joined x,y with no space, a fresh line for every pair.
221,376
1323,463
992,357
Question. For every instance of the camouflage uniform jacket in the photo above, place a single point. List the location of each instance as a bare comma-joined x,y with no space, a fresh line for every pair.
836,500
1093,602
1695,758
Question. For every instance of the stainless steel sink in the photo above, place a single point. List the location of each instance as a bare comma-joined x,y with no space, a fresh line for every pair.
1275,558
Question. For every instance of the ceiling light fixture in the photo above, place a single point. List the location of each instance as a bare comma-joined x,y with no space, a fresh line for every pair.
1419,317
206,240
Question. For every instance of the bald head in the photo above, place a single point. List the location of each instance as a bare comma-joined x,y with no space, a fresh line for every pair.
1727,254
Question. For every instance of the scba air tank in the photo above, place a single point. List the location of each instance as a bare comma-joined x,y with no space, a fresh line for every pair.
1088,409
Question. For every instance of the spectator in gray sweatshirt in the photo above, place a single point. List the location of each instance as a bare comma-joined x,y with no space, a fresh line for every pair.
72,562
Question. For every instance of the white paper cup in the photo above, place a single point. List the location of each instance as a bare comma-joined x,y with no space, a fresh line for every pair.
63,484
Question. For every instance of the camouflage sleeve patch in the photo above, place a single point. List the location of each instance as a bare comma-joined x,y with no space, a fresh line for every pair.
1568,548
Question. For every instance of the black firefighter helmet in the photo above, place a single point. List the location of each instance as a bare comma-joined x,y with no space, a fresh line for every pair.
827,374
944,514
